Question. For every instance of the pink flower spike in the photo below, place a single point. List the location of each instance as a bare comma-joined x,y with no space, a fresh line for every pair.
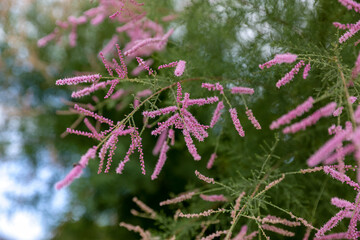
216,114
122,61
331,224
290,75
140,44
199,101
172,64
236,121
297,112
178,199
278,230
161,161
203,178
213,198
143,64
213,87
340,154
211,161
172,136
160,142
94,87
253,120
190,145
352,99
312,119
160,111
94,115
77,170
241,234
178,93
42,42
165,125
341,203
350,4
327,149
80,79
341,177
106,64
338,111
352,31
278,59
343,26
306,70
180,68
242,90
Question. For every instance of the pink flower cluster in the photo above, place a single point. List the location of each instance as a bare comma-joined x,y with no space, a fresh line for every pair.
278,59
297,112
290,75
348,210
183,120
217,113
203,178
213,198
312,119
77,169
352,31
242,234
213,87
80,79
350,4
252,119
236,121
180,68
242,90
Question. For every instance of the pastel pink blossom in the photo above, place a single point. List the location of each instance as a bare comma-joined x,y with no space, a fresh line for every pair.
338,111
160,111
42,42
144,65
278,59
275,220
297,112
203,178
202,214
213,198
178,93
216,114
312,119
199,101
165,125
340,154
352,31
242,90
343,26
213,87
160,142
94,87
172,64
180,68
118,94
331,224
190,145
341,203
171,136
136,71
214,235
290,75
327,149
341,177
252,119
211,161
80,79
77,169
161,161
352,99
140,44
350,4
236,121
277,230
82,133
179,198
94,115
306,70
